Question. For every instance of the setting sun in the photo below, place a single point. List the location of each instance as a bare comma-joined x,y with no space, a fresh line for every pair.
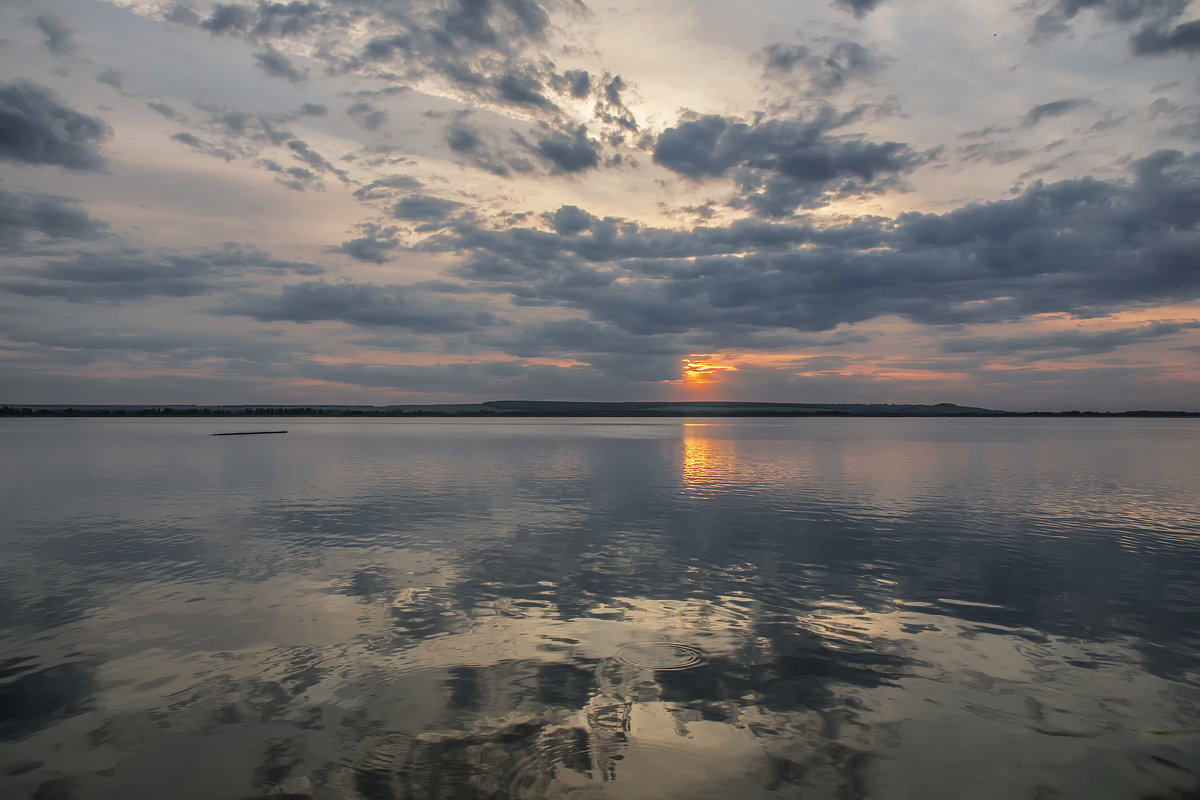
701,372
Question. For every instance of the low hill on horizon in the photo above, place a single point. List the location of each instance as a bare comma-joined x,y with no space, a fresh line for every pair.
729,408
558,408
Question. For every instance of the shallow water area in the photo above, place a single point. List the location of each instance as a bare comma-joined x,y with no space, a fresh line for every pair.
879,608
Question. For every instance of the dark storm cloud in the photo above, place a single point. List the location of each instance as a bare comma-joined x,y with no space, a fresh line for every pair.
262,139
237,122
570,220
208,148
22,215
1108,121
610,107
303,152
859,8
284,20
581,339
111,77
374,246
825,71
59,38
1185,120
228,19
574,82
314,110
711,146
516,253
1053,109
467,140
984,133
487,23
780,57
277,65
612,90
510,80
35,128
363,305
250,127
1158,33
1068,343
994,152
424,208
530,14
232,134
161,108
123,280
780,165
521,87
385,48
1082,247
128,275
295,178
384,188
1152,41
181,14
567,152
85,345
479,46
1122,10
460,28
367,115
468,20
462,138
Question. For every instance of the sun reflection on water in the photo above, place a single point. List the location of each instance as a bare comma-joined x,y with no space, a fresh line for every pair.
702,458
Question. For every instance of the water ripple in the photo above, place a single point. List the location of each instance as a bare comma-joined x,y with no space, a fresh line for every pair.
661,655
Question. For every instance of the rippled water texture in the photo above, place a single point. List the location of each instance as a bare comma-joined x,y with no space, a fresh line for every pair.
815,608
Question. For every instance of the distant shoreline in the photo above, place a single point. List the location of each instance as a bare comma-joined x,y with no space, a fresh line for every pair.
540,408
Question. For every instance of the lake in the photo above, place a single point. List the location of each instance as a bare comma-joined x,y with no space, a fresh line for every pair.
658,608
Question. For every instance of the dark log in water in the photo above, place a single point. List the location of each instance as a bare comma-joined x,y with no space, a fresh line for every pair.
245,433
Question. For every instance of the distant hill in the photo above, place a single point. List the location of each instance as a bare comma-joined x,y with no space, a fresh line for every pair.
548,408
556,408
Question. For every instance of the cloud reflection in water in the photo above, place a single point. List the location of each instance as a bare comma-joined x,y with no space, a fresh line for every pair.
588,608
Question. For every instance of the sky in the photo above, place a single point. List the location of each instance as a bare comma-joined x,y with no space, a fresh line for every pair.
359,201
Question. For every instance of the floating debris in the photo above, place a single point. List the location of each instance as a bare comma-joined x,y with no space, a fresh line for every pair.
245,433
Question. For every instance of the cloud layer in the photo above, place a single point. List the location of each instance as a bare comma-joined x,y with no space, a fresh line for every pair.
36,128
544,198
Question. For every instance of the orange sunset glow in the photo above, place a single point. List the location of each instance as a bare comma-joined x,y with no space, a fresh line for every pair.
699,373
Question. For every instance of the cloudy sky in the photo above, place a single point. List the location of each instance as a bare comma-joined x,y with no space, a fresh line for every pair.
362,201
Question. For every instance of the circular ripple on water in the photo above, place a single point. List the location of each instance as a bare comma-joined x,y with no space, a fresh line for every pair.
661,655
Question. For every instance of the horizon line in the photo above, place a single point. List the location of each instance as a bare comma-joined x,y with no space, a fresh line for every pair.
528,407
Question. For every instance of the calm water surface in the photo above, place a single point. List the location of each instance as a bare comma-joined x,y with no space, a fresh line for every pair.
704,608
